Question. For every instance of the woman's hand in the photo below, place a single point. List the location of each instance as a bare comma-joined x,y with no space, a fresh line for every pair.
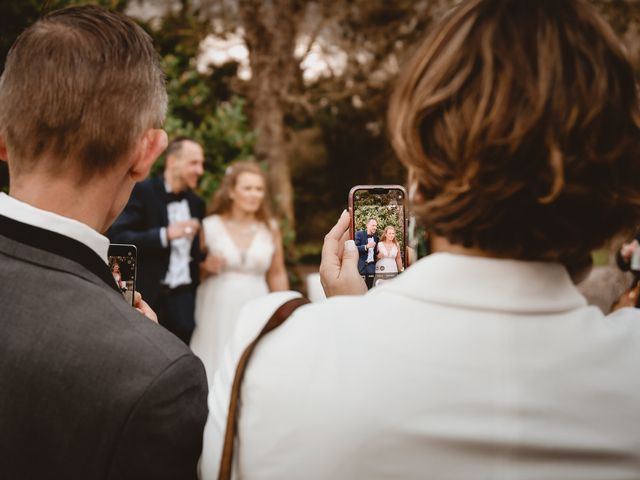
339,266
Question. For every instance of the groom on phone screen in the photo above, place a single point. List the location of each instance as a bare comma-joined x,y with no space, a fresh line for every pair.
367,242
162,219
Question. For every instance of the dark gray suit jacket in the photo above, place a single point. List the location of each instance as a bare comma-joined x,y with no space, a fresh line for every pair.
89,388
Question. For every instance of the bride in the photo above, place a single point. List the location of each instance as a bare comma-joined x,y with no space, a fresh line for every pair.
244,259
389,259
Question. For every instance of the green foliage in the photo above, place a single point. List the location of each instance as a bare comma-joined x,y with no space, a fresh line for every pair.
385,216
201,104
225,135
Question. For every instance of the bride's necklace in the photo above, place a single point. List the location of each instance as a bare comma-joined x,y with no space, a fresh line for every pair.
243,228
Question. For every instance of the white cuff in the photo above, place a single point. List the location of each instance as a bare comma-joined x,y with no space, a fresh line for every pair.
164,240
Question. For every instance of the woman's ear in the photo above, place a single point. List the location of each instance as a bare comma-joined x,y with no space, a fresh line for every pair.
3,149
152,144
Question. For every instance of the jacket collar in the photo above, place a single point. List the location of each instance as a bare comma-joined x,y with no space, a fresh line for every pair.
489,284
62,246
43,219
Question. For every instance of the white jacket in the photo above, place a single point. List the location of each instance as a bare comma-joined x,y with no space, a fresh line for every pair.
460,368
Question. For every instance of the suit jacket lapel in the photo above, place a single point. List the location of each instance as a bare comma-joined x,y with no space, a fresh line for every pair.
161,194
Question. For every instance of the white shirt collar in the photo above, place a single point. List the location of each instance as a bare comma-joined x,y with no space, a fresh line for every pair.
489,284
25,213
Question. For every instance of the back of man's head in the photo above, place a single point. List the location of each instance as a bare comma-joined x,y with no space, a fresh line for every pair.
79,88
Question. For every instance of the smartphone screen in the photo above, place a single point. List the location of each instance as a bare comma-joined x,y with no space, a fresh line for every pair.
379,229
122,263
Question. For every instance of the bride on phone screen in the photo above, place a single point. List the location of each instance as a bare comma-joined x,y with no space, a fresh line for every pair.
389,259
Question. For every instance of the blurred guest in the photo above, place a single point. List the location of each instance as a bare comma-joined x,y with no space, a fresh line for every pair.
519,124
90,387
244,259
626,253
628,259
162,219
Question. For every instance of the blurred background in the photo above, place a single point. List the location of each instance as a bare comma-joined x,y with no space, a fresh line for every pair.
300,86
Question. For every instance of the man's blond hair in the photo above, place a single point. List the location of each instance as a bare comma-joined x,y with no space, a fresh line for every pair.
80,87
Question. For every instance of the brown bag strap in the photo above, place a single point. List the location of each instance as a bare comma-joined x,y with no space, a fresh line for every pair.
277,319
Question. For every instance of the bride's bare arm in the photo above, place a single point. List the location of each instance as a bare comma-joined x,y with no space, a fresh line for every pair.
277,273
399,261
211,265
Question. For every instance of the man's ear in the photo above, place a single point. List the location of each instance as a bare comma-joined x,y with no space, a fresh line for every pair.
152,144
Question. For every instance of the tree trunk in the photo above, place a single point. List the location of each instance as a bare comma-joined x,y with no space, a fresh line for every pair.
270,28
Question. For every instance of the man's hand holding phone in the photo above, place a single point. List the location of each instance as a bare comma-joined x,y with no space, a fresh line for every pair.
144,308
339,266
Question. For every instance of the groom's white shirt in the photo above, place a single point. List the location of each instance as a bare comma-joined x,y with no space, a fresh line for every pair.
461,367
25,213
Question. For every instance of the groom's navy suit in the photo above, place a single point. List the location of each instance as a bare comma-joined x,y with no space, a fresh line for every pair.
140,224
361,239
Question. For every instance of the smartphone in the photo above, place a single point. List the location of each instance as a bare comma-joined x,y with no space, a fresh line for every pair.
379,230
122,263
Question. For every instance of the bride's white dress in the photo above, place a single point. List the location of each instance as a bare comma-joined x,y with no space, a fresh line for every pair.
387,264
220,297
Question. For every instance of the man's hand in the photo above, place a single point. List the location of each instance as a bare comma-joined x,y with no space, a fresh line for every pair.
143,307
371,245
212,264
627,250
339,266
187,228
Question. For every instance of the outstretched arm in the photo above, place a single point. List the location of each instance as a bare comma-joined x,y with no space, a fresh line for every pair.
277,273
361,241
399,261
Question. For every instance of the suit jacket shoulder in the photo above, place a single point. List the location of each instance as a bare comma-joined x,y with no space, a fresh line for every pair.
89,383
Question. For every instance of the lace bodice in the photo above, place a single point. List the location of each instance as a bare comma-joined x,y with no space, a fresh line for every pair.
255,259
387,253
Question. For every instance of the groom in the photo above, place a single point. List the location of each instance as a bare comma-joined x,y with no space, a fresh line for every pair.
367,242
162,219
90,387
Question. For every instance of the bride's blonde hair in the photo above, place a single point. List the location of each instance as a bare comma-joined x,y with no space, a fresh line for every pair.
221,201
383,238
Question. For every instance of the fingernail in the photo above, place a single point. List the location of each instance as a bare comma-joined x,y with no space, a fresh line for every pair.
350,245
344,212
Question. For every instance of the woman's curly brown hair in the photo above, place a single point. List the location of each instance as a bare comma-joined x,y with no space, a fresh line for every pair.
519,120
